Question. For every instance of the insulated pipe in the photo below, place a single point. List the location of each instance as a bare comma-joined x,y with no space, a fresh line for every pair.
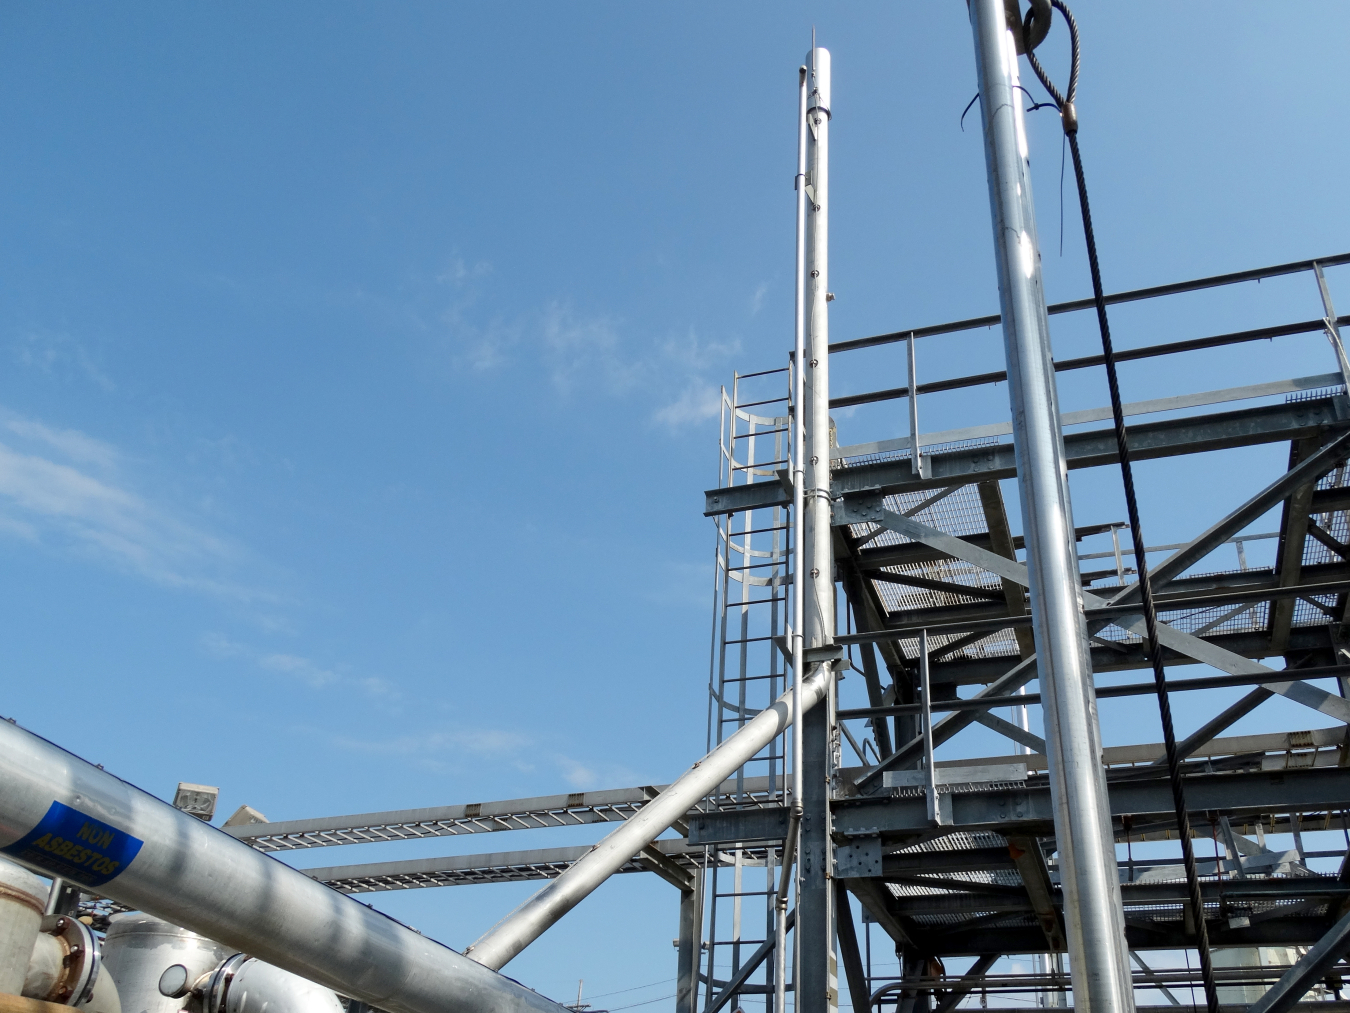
1093,915
73,820
21,900
533,918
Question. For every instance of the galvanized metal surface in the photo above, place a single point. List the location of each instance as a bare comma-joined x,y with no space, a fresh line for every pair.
1094,920
815,916
524,925
139,948
1096,448
187,872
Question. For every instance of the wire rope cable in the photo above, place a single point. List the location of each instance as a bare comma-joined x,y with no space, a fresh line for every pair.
1069,119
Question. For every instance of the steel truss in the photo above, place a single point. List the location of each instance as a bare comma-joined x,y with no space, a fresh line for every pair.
935,552
927,554
932,556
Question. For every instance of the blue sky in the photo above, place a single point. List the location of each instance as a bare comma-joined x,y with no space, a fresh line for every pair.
358,363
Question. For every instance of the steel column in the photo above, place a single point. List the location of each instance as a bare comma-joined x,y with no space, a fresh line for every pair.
690,939
848,950
815,929
1095,925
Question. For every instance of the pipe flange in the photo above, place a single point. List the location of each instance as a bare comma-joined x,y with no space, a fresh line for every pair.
217,988
80,963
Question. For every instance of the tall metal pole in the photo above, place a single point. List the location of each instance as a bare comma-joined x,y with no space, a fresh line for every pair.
815,929
798,540
1093,915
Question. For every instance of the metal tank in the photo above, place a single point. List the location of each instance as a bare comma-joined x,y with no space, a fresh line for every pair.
140,948
23,897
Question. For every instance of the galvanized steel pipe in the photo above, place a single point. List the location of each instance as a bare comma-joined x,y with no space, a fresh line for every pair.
1093,914
73,820
533,918
798,542
815,924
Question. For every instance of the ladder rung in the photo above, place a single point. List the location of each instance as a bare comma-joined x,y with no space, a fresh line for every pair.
737,942
765,464
749,893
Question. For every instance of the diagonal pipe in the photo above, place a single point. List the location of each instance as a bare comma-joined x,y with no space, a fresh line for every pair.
532,919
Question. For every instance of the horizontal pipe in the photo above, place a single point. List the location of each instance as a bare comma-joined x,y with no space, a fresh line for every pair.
533,918
71,819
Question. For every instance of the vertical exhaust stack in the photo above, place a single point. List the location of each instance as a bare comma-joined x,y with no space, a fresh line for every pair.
787,874
73,820
1093,914
815,905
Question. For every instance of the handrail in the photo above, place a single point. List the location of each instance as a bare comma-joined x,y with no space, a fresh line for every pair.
1175,288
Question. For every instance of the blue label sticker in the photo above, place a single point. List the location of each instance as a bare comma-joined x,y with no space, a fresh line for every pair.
76,847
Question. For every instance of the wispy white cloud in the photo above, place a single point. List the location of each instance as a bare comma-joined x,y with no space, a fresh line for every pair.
301,668
445,748
577,774
757,300
220,646
698,402
477,344
581,351
298,667
694,360
588,352
482,742
70,443
50,495
56,353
